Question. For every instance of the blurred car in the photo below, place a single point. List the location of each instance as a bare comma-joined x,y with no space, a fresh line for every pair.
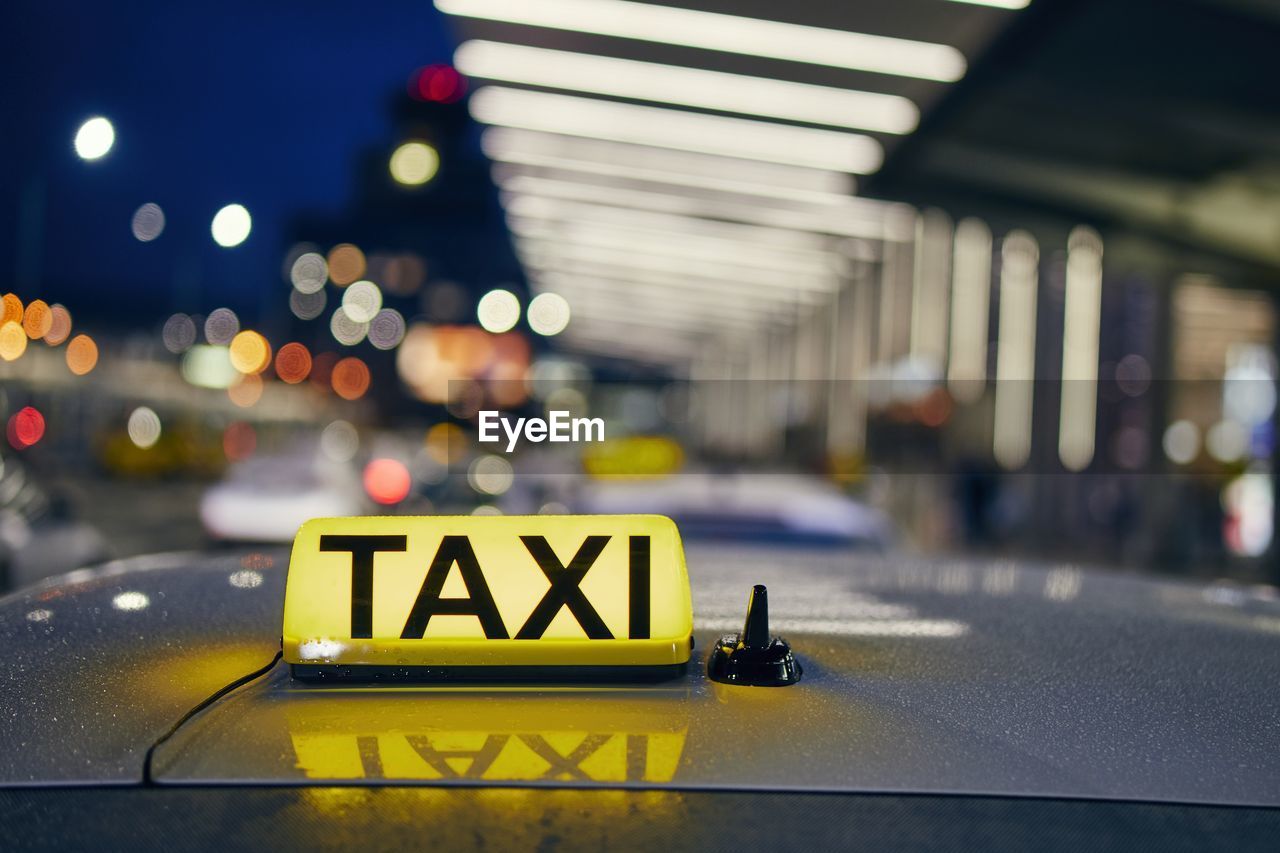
757,506
266,498
958,705
39,536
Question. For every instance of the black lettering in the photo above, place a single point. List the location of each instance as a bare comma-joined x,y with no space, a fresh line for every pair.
639,591
478,603
565,765
564,591
481,759
362,549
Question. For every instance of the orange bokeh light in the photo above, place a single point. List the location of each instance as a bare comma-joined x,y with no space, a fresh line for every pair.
350,378
239,441
59,326
13,340
293,363
82,355
346,264
12,309
249,352
247,391
38,320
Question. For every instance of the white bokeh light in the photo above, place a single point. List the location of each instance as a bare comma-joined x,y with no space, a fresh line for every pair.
498,311
95,138
548,314
231,226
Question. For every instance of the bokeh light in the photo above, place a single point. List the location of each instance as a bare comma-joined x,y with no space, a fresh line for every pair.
144,427
95,138
221,326
131,601
446,443
307,306
231,226
11,309
440,83
1182,442
179,333
208,367
247,392
26,427
386,330
13,341
346,264
148,222
401,274
490,475
59,327
309,272
362,301
82,355
548,314
498,311
339,441
37,320
387,481
414,163
239,440
350,378
249,352
347,331
293,363
322,369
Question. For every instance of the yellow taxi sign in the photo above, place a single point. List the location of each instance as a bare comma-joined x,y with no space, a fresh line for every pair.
398,596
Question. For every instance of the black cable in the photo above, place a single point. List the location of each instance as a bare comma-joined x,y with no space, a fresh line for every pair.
239,682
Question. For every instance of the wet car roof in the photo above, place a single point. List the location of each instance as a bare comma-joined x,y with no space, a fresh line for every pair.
920,676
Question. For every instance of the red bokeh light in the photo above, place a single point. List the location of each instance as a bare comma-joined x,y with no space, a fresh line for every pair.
439,83
26,427
239,441
387,481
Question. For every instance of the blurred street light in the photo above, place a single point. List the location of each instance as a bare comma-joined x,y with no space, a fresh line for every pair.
231,226
498,311
414,163
94,138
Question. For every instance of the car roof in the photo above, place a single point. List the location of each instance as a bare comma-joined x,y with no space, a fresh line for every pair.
958,677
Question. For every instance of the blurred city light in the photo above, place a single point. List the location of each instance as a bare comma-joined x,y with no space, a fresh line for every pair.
498,311
148,222
37,320
82,355
249,352
307,306
1015,349
345,330
548,314
239,440
439,83
131,601
685,131
997,4
690,87
208,366
221,326
231,226
1182,442
350,378
309,272
490,475
387,329
361,301
246,390
179,333
59,326
1082,317
94,138
727,33
12,309
25,428
387,481
144,427
339,441
346,264
293,363
13,340
414,163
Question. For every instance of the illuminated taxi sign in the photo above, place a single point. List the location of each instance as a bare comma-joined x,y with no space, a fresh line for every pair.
392,596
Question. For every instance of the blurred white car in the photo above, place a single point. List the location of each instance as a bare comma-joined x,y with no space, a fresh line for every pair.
267,498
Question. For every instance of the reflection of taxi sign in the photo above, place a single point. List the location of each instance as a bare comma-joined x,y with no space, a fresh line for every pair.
487,596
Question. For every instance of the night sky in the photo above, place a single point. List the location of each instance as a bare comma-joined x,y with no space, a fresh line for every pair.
267,104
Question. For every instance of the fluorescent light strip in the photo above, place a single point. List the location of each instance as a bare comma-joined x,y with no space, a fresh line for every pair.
662,316
548,271
677,129
782,100
997,4
725,33
520,146
532,207
676,266
676,293
1016,349
1082,316
695,249
970,306
709,208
